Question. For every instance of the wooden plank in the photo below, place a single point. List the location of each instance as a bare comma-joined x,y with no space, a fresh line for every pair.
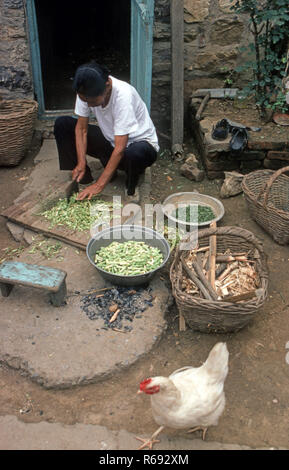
239,297
26,213
202,107
182,323
216,92
177,74
212,257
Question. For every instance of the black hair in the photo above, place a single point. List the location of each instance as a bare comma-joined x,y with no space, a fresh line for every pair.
90,79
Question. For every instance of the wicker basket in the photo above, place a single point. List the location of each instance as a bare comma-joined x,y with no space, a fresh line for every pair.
219,316
267,196
17,119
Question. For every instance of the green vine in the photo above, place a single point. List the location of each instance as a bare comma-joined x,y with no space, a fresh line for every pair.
269,24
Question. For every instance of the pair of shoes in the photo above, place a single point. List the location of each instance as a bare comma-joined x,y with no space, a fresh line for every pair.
239,140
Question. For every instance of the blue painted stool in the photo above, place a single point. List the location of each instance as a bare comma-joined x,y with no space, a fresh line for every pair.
42,277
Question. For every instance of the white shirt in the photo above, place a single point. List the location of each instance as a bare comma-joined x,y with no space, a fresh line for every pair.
125,114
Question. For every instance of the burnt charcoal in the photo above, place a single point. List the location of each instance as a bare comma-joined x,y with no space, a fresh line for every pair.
132,302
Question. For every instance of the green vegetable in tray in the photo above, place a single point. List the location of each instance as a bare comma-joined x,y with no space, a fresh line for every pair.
189,213
129,258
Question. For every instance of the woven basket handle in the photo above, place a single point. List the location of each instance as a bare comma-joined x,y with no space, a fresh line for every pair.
269,183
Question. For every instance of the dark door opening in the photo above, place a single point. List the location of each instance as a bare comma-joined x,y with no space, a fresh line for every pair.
72,33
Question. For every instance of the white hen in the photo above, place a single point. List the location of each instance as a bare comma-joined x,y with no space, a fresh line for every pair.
190,396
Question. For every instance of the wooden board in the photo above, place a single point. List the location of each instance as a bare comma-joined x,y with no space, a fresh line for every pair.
177,71
25,213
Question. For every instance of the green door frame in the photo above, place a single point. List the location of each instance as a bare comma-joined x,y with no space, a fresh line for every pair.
143,70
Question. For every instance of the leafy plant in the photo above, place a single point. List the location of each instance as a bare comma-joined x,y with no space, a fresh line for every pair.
229,76
279,103
269,22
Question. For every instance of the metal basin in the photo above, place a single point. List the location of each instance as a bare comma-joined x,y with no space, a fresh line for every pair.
121,234
171,203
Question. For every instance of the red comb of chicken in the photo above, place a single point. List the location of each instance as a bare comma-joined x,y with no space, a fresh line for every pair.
144,383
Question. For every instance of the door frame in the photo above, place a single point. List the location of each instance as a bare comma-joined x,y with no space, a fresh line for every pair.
36,64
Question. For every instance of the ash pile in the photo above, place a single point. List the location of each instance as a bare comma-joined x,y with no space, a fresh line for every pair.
117,307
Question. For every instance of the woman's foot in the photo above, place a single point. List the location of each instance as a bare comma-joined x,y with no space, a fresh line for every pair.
132,195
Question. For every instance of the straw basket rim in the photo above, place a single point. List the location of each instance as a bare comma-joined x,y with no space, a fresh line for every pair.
16,108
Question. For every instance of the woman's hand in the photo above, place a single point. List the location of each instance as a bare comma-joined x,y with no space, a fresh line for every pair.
90,191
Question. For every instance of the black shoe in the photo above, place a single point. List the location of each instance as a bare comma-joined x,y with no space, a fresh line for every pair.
239,140
87,178
221,130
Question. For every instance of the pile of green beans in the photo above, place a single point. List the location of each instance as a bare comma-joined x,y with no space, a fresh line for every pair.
78,215
129,258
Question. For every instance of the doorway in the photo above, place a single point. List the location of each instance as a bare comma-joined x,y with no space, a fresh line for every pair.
71,33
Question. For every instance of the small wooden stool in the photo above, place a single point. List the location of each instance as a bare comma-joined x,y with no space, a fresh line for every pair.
42,277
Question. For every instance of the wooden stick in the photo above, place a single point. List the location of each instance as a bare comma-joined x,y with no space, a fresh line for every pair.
202,278
230,258
204,248
100,290
221,268
212,257
182,323
237,298
227,271
202,107
118,330
196,280
114,316
205,259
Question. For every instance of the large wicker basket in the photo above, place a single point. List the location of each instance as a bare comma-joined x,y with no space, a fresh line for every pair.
17,119
267,196
219,316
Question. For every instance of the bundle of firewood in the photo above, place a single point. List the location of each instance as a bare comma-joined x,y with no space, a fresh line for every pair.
229,276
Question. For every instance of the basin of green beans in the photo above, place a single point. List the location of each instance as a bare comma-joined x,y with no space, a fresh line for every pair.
129,258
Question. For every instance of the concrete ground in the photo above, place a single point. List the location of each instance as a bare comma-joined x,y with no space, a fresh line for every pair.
44,342
16,435
43,405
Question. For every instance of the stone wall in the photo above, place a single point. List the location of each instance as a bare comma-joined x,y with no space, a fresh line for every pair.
212,35
15,69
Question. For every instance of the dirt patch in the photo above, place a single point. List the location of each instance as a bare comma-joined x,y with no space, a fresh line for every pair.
256,412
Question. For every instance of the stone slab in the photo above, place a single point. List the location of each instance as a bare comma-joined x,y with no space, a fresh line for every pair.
60,348
18,435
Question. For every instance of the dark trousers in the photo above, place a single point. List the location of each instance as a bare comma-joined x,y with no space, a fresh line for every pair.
137,156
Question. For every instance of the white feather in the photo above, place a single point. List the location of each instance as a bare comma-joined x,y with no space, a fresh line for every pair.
192,396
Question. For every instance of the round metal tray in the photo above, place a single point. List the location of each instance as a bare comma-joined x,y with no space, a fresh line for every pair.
122,233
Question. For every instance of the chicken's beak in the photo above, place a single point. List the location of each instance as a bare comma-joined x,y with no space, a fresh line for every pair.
139,392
